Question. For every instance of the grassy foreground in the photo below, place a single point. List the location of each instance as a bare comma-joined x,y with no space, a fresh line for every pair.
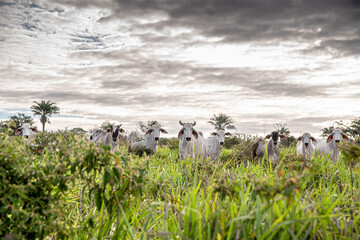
72,189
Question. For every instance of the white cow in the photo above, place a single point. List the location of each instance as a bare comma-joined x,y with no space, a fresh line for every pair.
305,146
191,143
110,137
26,131
215,143
97,134
272,147
329,147
151,139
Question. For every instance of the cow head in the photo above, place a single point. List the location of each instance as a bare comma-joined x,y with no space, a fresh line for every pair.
337,136
306,138
275,136
154,131
188,131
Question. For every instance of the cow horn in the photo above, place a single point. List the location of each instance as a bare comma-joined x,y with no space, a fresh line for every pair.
181,123
194,123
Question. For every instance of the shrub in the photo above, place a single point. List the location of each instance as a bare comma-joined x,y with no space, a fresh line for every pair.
29,208
173,143
241,152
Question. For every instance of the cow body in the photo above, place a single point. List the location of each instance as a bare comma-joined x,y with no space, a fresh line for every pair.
191,143
214,144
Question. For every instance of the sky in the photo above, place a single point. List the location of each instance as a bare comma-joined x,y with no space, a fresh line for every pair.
259,61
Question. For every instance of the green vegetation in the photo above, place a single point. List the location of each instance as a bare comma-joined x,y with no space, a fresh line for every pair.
60,186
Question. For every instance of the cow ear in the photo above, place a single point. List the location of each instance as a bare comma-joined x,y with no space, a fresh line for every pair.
329,138
108,130
163,130
181,133
345,137
121,130
148,131
313,139
18,131
214,133
268,136
299,139
282,136
34,130
228,134
195,133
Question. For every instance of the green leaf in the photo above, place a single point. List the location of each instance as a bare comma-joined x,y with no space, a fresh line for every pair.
98,199
116,173
91,222
107,178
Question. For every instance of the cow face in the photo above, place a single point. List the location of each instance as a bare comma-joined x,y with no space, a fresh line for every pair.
188,131
115,132
306,139
154,132
337,136
26,130
221,135
275,136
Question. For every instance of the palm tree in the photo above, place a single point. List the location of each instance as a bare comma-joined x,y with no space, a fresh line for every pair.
282,129
45,110
327,131
222,121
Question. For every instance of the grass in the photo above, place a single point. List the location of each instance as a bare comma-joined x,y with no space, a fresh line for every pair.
159,197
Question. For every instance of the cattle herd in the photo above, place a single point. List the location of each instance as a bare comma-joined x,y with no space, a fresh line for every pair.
192,143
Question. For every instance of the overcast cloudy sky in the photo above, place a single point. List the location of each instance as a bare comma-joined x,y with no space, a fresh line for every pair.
261,62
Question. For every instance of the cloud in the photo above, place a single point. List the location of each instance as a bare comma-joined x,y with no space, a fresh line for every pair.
259,61
246,20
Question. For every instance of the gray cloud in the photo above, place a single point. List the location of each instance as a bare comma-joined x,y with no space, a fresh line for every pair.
251,20
125,55
148,71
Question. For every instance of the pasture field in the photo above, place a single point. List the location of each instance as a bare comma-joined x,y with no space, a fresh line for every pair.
67,188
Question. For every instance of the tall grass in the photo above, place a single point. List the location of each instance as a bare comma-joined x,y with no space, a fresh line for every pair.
122,196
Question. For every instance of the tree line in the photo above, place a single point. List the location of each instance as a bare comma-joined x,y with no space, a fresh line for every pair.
45,109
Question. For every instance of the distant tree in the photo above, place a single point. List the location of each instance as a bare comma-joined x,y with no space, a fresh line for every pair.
78,130
327,131
222,121
45,110
21,118
282,129
144,126
107,124
353,129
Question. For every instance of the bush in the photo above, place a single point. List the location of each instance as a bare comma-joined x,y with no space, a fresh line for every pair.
173,143
242,151
29,206
289,141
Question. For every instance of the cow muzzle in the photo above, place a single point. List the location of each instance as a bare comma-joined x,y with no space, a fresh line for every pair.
188,139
